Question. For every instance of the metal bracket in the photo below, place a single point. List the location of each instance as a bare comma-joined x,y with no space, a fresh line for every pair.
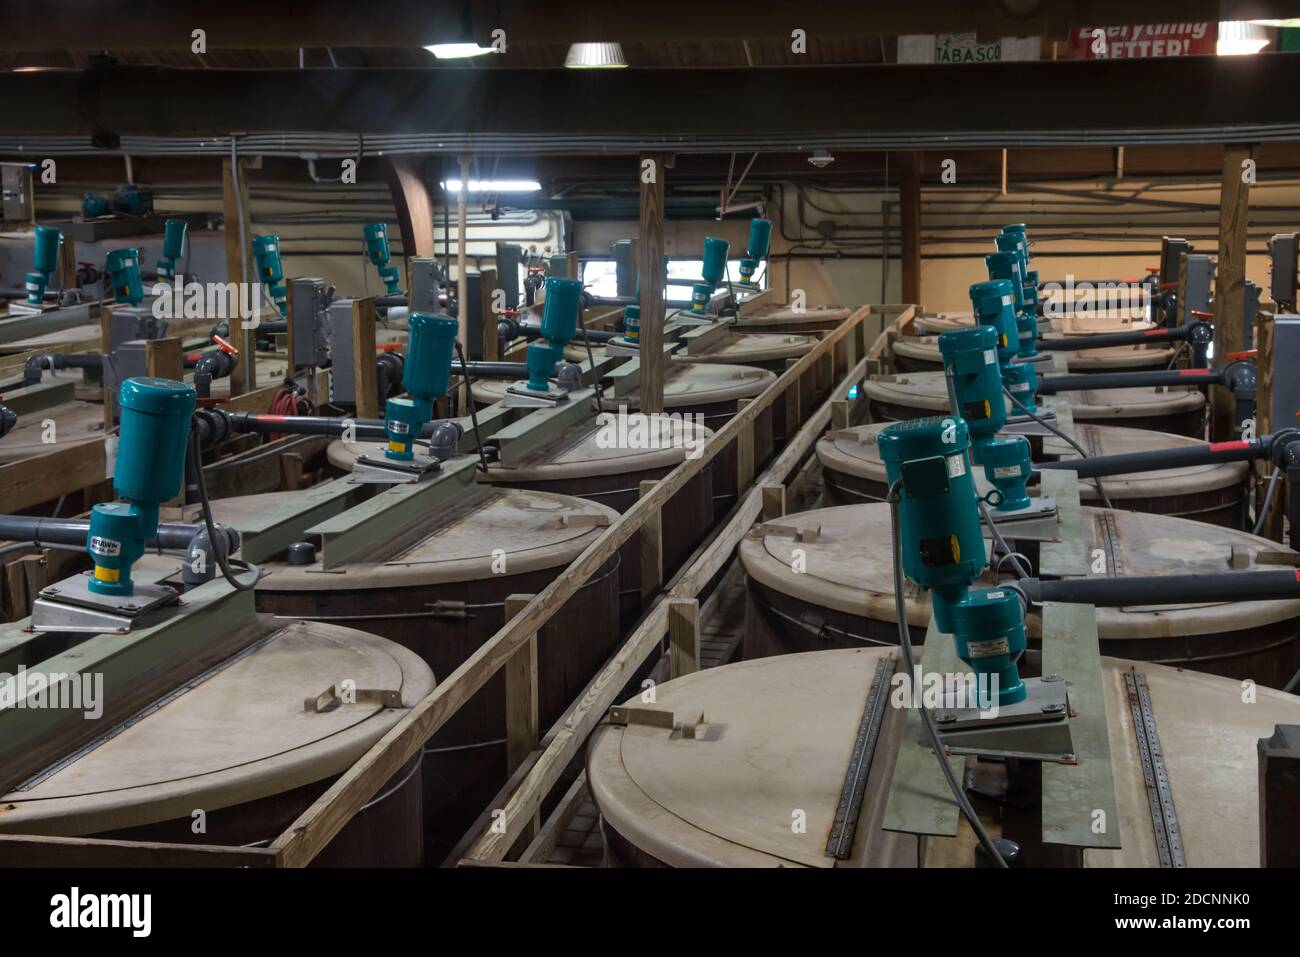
519,397
70,606
1035,729
375,467
332,698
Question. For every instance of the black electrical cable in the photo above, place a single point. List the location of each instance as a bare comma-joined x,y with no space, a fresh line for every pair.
1060,435
213,541
927,719
473,415
591,361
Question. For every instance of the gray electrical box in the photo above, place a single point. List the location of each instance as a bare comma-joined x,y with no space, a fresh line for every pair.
1200,280
16,180
1250,305
307,320
1171,249
128,323
1282,256
343,380
509,257
426,282
625,267
1286,359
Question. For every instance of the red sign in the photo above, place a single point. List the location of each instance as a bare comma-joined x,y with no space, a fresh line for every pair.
1143,40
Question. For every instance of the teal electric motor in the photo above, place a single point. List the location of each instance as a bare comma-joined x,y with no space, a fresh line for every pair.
943,547
713,270
632,323
45,259
1007,265
150,467
270,269
1007,466
381,255
760,237
174,231
994,305
559,325
426,375
123,268
970,361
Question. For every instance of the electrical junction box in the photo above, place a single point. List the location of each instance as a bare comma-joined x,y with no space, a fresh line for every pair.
308,323
1286,359
343,376
1282,280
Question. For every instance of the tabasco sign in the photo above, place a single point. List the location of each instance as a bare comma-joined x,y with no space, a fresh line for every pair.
1143,40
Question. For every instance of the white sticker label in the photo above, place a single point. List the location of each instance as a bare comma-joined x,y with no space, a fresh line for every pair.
1006,300
995,594
1020,387
401,428
990,357
956,465
1006,471
988,649
105,546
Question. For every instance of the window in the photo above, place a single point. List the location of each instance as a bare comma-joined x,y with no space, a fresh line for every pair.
601,278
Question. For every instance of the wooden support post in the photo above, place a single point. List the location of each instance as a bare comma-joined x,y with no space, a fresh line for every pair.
1279,797
841,414
793,416
909,211
462,281
363,357
238,235
522,723
290,471
652,547
773,502
744,451
68,263
1274,521
162,358
1229,288
683,637
651,266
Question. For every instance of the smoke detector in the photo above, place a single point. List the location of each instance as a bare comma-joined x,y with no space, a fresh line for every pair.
821,158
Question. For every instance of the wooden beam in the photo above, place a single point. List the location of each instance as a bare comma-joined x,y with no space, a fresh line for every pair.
909,211
1229,288
652,547
522,723
363,355
238,235
683,637
650,251
462,279
24,850
414,205
163,359
488,318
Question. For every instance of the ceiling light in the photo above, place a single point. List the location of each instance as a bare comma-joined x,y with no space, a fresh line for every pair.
595,56
1238,37
494,185
457,51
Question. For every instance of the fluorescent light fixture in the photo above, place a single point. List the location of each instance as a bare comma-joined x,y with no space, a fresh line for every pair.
1240,38
457,51
595,56
494,185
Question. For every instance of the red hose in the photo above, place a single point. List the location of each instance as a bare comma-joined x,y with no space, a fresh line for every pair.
287,400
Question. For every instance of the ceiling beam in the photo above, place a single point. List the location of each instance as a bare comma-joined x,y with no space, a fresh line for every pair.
32,25
1066,104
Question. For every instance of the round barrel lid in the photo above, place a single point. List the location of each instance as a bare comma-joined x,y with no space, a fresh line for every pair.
1112,358
577,352
934,323
752,347
527,530
928,391
75,423
854,451
836,571
785,316
777,733
240,734
686,385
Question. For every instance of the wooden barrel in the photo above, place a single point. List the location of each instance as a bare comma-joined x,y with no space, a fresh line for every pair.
782,319
921,354
713,391
776,738
853,472
916,394
842,595
605,462
439,588
238,756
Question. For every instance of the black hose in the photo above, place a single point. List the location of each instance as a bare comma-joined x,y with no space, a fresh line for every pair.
1267,585
222,561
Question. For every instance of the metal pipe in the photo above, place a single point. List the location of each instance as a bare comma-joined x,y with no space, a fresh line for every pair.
1105,340
1166,589
1129,462
171,536
1050,385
